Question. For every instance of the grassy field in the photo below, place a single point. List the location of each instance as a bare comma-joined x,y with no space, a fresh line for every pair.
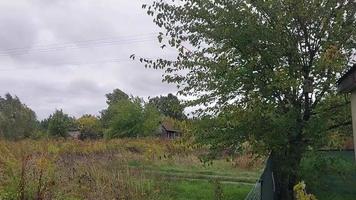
117,169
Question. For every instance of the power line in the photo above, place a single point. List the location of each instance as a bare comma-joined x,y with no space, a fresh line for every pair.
76,42
78,45
56,65
116,43
68,64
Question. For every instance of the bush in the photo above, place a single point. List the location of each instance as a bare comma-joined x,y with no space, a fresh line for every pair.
90,127
300,192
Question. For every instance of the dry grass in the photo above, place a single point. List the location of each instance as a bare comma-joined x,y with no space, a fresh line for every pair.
75,169
67,169
248,162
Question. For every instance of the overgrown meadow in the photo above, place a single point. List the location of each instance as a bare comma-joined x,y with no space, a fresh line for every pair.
119,169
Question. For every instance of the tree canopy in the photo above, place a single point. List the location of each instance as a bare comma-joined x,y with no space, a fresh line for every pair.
169,106
128,116
116,96
59,124
264,66
17,121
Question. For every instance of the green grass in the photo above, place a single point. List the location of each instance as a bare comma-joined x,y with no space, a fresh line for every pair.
219,168
202,190
194,181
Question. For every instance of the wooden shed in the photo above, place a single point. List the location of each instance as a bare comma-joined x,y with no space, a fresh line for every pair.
347,84
167,131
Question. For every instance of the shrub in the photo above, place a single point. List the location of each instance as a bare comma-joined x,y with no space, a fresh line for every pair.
300,192
90,127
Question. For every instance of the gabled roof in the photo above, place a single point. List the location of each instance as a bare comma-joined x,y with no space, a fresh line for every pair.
347,72
168,126
347,82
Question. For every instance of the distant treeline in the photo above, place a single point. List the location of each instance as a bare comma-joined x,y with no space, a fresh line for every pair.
125,116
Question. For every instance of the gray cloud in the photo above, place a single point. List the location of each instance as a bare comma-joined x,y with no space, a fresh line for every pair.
18,27
69,54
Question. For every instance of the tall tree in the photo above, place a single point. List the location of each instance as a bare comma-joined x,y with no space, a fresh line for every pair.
169,106
271,63
17,121
59,123
116,96
129,118
152,118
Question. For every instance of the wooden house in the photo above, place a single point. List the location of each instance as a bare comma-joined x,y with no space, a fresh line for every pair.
167,131
347,84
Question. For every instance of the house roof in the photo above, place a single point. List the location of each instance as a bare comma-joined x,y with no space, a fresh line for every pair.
168,126
347,72
347,82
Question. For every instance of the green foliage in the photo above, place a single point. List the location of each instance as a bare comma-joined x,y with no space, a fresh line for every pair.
268,64
17,121
59,123
152,117
331,123
126,120
301,194
330,174
39,134
43,125
169,106
129,118
90,127
116,96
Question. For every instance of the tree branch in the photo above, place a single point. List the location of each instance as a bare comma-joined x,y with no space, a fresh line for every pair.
347,123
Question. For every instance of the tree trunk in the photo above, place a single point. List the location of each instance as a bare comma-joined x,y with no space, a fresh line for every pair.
285,165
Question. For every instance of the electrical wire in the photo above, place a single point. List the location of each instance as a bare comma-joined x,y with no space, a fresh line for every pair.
67,64
56,65
78,45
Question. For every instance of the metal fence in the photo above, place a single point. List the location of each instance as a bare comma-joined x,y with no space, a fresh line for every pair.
264,189
255,193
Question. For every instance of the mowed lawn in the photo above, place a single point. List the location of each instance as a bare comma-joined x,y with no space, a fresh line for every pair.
117,169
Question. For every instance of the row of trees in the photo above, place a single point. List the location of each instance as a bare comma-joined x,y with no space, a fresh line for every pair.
125,116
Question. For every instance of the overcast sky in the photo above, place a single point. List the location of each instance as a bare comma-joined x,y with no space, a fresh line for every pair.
65,54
